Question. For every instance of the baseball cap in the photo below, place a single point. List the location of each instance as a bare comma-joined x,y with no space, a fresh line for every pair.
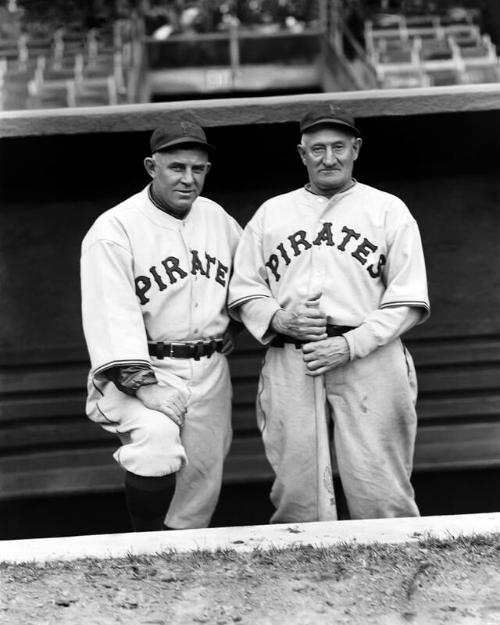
175,133
328,114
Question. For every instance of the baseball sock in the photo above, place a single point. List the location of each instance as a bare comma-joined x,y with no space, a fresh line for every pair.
148,499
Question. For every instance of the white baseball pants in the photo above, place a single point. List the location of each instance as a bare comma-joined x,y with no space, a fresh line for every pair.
371,404
153,446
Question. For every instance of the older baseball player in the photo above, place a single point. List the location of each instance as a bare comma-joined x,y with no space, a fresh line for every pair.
154,274
329,276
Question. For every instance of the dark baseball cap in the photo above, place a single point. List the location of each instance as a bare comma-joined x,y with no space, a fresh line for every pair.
175,133
328,114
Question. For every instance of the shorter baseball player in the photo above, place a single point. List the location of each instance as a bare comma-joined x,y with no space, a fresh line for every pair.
329,276
154,275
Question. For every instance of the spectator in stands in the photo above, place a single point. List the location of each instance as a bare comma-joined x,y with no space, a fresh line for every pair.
328,277
155,270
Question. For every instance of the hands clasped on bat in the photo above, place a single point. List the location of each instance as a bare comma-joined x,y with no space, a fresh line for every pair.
306,322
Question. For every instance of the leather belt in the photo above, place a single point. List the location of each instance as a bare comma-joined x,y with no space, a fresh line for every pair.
332,330
162,350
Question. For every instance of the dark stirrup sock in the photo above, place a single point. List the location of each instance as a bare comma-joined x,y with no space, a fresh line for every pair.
148,499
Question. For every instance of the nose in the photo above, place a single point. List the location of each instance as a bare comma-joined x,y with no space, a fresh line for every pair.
187,176
329,157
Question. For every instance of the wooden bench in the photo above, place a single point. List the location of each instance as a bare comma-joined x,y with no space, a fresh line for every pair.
48,446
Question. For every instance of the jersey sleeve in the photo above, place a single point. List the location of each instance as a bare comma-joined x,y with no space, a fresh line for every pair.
112,320
404,271
249,284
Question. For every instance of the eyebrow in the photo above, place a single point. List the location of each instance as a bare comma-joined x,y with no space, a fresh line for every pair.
322,143
180,163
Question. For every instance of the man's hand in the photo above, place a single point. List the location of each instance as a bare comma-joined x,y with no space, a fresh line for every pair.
322,356
304,322
166,399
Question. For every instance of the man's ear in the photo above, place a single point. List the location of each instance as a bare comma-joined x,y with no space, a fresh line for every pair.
358,142
302,152
150,166
208,167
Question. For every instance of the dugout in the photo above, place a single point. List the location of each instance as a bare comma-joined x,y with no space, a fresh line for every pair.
438,149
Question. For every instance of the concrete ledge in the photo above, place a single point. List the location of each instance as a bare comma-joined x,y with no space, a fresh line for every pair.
248,538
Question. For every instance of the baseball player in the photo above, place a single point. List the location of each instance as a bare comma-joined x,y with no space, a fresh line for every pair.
154,275
329,276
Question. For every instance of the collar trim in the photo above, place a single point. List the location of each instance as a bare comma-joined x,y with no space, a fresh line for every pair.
163,208
307,187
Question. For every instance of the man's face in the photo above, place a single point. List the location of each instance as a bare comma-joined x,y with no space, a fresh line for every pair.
329,153
178,176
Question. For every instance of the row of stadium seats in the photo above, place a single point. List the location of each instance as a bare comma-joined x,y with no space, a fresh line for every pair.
69,68
413,51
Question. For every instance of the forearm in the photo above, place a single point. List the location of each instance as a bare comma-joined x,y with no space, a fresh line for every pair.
381,327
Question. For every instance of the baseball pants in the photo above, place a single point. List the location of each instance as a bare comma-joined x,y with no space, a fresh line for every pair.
371,405
152,445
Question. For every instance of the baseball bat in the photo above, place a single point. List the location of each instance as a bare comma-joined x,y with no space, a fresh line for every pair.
327,508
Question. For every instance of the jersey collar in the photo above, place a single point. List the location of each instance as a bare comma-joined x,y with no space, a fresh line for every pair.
160,217
307,187
163,207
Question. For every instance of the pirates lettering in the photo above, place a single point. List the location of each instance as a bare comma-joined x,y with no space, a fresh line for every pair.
299,242
325,234
169,271
299,238
376,273
362,251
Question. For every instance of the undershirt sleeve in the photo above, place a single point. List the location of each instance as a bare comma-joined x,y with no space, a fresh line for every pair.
381,327
129,379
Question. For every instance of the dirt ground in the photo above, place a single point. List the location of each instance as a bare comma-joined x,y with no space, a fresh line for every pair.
425,583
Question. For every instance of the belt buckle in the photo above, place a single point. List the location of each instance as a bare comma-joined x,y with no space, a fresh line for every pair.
198,350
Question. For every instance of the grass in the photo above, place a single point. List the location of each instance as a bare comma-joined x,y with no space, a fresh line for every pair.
339,556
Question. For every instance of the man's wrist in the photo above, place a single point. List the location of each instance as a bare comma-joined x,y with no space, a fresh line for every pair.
144,386
276,323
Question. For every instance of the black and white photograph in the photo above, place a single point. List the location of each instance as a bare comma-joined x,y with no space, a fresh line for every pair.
249,312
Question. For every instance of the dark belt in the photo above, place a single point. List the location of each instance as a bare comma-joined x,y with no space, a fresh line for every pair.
162,350
331,330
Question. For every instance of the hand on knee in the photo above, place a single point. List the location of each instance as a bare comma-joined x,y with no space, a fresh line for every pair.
166,399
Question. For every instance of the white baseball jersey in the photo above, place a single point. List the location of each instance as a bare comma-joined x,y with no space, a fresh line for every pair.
149,276
367,249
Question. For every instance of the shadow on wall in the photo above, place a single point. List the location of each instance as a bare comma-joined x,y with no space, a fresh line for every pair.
457,492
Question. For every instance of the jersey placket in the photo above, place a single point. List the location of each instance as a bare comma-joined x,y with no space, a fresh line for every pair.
192,299
318,263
